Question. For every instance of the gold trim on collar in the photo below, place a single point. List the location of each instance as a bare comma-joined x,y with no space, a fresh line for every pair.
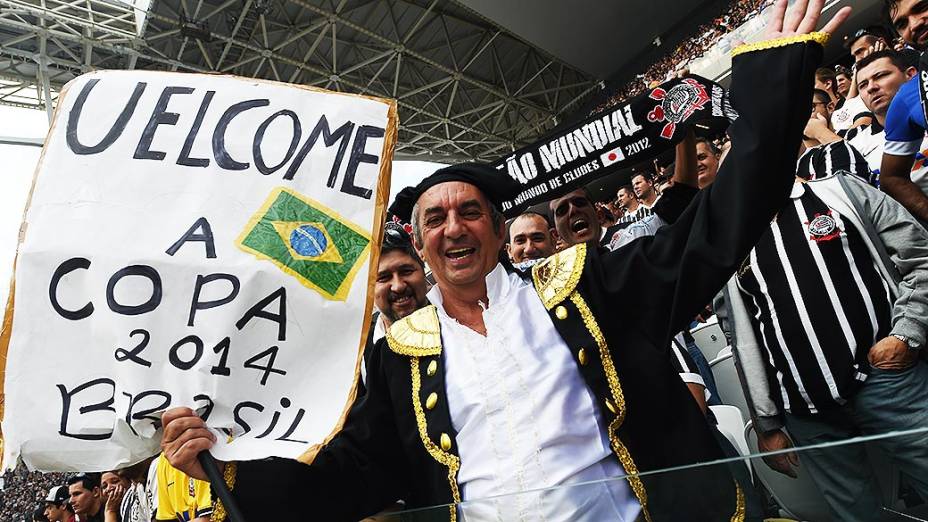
819,37
418,334
557,276
450,460
618,399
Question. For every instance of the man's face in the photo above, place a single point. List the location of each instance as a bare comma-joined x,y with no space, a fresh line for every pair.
707,165
822,105
624,198
83,500
400,286
878,83
844,84
863,44
529,238
459,240
54,513
575,218
910,20
643,187
823,85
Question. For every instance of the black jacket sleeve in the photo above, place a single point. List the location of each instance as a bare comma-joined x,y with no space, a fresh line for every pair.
670,277
357,474
673,202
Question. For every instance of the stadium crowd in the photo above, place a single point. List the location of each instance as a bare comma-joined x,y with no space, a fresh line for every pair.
676,60
825,313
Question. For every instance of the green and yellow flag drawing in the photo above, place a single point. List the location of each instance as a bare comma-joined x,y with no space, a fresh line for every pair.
307,240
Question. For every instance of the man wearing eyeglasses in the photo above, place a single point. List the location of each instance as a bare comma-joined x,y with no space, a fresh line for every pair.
818,130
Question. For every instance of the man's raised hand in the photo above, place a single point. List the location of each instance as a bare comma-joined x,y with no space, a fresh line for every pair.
185,436
803,19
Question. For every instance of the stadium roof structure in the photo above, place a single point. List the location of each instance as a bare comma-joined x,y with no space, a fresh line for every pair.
474,79
468,85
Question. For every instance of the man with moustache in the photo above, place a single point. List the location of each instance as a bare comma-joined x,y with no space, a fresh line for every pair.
508,385
400,286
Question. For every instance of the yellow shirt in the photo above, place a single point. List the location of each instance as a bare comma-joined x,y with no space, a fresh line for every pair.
179,496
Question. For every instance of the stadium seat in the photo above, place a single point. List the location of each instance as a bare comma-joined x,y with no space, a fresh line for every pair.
710,339
799,497
727,382
731,423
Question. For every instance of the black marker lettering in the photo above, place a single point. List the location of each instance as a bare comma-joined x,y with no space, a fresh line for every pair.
65,268
259,138
357,157
75,115
184,158
135,270
219,134
159,116
258,311
205,235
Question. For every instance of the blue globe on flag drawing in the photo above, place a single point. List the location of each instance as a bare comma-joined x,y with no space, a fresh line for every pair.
308,240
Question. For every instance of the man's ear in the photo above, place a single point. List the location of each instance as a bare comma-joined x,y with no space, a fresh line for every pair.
910,72
418,248
554,236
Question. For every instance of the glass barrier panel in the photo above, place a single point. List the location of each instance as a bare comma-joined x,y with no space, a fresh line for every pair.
863,478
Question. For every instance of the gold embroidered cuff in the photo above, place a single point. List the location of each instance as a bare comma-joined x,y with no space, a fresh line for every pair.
219,511
818,36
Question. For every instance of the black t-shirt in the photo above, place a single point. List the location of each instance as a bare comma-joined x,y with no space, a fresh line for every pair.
99,517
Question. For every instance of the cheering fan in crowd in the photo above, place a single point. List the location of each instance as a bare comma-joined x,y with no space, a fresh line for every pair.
439,400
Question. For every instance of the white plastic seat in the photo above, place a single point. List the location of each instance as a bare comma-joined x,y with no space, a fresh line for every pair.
710,339
799,497
727,383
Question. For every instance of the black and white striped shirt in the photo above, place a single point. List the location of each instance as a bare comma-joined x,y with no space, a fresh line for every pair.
818,302
639,213
824,160
683,362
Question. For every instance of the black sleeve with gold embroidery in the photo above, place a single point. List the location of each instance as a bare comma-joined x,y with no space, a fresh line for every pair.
357,474
668,278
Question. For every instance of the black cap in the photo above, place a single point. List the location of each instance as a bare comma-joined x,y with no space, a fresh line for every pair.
496,185
876,31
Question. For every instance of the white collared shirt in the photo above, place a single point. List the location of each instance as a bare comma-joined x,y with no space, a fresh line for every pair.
524,417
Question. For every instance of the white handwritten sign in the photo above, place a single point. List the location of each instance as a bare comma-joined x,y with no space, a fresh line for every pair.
193,240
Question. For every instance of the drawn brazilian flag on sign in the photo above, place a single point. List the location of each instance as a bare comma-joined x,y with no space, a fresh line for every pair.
307,240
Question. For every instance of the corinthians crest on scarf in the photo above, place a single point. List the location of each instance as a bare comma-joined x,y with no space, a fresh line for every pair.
677,104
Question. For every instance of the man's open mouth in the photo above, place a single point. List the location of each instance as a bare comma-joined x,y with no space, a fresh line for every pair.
401,300
458,253
579,226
